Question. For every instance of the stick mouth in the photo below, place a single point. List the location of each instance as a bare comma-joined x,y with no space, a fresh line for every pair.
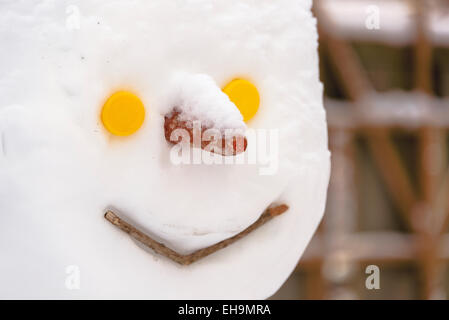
185,260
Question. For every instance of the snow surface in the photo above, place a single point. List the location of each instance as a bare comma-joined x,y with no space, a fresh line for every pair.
60,169
199,98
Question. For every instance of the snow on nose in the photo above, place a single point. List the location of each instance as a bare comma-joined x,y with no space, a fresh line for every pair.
199,110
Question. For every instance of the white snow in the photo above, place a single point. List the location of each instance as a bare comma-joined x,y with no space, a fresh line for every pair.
199,98
60,169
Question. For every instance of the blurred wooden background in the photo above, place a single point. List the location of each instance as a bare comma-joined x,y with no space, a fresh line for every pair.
385,67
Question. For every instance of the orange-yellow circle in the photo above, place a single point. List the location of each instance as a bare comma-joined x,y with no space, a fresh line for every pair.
245,96
123,114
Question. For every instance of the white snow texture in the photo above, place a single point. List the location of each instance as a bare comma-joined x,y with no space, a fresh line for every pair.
60,169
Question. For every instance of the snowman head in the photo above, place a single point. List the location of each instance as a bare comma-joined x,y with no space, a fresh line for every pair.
103,116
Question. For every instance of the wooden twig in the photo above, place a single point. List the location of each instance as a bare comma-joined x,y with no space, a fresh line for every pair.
185,260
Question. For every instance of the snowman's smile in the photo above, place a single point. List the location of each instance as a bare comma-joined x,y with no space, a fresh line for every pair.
188,259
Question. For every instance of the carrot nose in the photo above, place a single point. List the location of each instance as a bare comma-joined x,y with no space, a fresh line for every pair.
176,129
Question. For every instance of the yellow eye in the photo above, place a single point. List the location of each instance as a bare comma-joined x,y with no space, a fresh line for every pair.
123,114
245,96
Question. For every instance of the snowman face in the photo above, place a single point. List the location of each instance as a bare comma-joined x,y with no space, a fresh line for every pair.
65,157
